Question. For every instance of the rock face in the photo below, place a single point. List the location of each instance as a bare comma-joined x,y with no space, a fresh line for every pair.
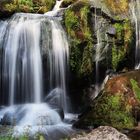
103,133
95,34
118,105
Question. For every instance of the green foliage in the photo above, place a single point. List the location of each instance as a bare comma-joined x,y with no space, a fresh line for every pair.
39,137
34,6
71,21
85,11
135,88
26,2
78,26
118,55
111,110
86,66
25,5
122,42
10,7
119,30
75,55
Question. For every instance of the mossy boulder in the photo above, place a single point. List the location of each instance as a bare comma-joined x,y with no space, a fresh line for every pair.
8,7
123,45
78,26
118,105
79,21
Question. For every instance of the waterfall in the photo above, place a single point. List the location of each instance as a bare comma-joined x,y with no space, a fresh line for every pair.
59,60
35,90
57,5
134,7
22,63
98,46
101,48
25,36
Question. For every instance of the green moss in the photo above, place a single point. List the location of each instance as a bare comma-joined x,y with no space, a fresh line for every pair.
135,88
86,65
72,24
111,110
121,43
33,6
10,7
78,26
118,54
39,137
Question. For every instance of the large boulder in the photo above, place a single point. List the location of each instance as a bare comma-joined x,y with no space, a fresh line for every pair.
118,105
102,133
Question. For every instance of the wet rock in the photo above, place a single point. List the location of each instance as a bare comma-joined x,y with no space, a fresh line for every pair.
111,31
8,119
54,98
60,112
102,133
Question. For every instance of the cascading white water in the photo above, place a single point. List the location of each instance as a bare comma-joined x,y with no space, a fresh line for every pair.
55,10
59,60
101,49
27,37
135,12
22,64
58,57
57,5
97,54
24,40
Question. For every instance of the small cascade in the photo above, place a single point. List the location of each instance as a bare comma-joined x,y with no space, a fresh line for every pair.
22,64
55,10
135,12
58,57
98,46
101,49
59,60
57,5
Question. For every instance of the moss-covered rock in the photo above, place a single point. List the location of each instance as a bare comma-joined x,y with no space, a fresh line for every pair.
118,105
78,25
116,47
101,133
7,8
122,43
118,7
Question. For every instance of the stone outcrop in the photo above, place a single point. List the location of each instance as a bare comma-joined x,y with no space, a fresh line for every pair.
102,133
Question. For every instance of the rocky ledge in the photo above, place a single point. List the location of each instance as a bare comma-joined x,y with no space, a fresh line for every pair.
102,133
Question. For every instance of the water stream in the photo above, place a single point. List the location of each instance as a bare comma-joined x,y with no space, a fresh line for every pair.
23,38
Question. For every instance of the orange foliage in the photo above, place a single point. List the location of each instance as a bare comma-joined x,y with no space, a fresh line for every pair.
118,6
